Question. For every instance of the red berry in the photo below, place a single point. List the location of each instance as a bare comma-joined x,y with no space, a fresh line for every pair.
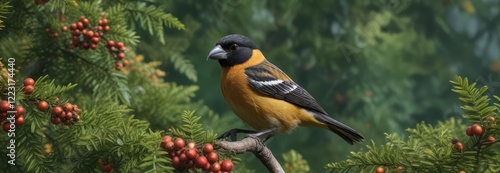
19,120
77,117
212,157
206,167
55,120
183,157
215,167
93,46
76,33
119,45
208,148
106,28
73,26
85,22
19,110
118,65
6,126
477,129
42,105
64,29
57,110
104,22
55,35
4,106
490,140
68,107
179,143
468,131
458,146
200,162
99,23
90,34
81,18
176,162
28,89
191,153
105,167
100,28
226,165
79,25
125,62
110,44
164,140
29,81
380,169
84,31
62,115
191,144
95,40
120,55
69,115
168,146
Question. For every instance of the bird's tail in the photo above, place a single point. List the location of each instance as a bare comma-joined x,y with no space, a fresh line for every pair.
347,133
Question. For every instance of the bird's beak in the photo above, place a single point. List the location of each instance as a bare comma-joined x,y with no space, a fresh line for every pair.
217,53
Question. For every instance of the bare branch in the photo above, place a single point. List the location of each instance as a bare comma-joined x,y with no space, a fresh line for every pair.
257,147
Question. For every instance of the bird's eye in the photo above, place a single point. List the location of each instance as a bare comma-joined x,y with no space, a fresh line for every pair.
233,47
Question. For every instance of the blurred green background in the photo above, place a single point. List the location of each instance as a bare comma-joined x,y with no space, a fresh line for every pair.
379,66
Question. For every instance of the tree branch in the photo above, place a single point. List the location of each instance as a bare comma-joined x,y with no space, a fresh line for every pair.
257,147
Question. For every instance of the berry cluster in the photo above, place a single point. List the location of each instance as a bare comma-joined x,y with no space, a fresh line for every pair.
190,158
29,86
7,123
105,166
477,130
67,114
118,51
86,36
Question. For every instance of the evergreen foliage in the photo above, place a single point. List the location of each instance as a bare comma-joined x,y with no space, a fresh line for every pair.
433,148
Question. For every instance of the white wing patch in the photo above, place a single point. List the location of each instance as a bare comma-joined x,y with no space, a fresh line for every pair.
269,83
284,87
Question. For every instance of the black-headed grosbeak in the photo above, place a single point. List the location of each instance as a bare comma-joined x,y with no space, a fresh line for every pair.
264,97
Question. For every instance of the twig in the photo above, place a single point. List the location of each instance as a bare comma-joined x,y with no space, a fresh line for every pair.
257,147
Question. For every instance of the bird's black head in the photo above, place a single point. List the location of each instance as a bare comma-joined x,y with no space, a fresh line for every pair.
232,50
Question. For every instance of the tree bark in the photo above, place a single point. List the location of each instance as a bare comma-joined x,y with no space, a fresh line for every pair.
257,147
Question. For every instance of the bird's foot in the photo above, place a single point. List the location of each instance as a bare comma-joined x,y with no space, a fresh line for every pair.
233,132
254,135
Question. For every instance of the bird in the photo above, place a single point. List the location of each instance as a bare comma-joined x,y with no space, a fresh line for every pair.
264,97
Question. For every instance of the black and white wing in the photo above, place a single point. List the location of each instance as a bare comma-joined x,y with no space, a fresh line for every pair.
269,80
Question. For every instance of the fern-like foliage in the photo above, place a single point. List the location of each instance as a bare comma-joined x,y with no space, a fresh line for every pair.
476,103
152,19
4,7
191,130
295,163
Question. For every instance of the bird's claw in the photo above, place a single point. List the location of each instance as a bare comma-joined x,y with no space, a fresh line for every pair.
233,133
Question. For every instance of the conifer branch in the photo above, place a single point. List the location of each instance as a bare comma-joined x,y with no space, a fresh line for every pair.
257,147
